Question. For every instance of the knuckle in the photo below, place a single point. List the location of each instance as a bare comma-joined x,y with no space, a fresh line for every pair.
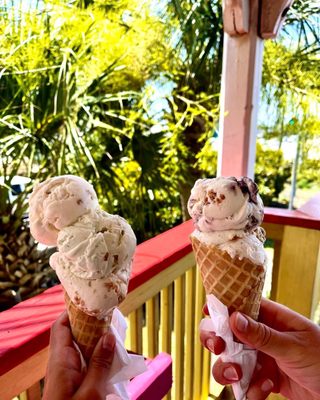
263,337
101,362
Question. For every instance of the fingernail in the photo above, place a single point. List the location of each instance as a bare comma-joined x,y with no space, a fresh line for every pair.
108,341
241,322
267,385
258,367
210,345
231,374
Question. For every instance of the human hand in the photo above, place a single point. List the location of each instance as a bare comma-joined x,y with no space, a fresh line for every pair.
64,378
288,353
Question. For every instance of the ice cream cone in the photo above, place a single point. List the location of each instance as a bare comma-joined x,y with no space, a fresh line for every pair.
236,283
86,329
94,253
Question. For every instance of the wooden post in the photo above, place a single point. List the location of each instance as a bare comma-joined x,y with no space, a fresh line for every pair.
246,22
241,76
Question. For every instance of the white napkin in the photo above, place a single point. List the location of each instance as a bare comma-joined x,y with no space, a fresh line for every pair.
234,352
124,366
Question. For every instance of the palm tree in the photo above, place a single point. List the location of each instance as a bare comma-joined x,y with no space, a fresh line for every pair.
68,92
291,82
196,71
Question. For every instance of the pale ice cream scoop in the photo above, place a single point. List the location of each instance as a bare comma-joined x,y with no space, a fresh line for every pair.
58,202
94,261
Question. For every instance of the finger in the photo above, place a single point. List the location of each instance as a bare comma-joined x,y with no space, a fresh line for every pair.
210,341
63,376
266,368
260,336
60,335
62,350
94,384
226,373
260,389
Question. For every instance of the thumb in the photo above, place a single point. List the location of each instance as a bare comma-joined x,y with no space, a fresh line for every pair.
95,382
260,336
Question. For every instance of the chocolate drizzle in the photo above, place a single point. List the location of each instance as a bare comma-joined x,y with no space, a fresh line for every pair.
247,186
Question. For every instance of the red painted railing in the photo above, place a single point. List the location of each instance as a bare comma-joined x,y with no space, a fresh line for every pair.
25,328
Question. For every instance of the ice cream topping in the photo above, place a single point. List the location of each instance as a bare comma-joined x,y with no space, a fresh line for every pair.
227,212
95,249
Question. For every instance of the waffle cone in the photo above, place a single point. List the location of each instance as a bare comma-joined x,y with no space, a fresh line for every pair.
236,283
86,329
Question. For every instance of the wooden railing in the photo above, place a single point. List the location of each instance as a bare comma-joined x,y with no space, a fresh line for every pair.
164,306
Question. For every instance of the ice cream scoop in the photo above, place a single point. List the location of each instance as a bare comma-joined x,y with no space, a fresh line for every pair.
94,261
225,203
58,202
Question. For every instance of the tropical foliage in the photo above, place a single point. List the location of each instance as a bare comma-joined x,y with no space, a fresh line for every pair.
196,70
71,102
291,89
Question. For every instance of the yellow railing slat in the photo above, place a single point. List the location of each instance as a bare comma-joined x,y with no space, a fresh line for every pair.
199,302
189,333
206,371
178,339
166,318
135,330
151,328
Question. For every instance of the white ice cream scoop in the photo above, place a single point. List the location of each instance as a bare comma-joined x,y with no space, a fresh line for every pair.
58,202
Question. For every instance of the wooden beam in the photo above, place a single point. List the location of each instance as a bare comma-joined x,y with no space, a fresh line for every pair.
241,77
236,17
272,16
